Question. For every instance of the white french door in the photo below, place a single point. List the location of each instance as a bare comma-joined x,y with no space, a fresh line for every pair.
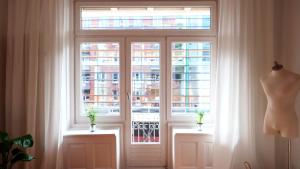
145,82
145,107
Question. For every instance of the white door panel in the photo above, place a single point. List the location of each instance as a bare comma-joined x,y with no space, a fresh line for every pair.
145,112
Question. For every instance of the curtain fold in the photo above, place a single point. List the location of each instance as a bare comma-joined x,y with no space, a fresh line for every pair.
244,54
3,41
37,76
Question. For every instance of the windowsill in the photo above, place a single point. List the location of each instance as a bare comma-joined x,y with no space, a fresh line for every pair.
87,132
192,131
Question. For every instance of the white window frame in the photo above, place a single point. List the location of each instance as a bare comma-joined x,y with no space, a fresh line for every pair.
212,40
119,36
140,147
81,119
162,65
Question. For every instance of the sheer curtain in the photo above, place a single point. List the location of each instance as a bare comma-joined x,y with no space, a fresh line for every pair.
37,79
244,54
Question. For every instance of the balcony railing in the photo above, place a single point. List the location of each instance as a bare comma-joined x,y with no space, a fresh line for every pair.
145,132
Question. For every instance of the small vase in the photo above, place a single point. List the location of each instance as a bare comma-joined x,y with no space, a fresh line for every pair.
199,126
92,127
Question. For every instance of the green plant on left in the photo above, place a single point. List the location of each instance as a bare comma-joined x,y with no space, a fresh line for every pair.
200,116
13,150
92,116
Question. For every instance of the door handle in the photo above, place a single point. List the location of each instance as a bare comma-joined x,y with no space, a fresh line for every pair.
128,96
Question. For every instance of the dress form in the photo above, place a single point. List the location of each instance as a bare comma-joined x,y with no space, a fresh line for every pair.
281,87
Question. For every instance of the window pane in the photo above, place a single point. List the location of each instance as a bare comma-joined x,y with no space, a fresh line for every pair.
145,83
190,77
100,82
145,18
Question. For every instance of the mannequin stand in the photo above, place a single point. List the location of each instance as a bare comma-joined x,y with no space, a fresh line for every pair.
247,165
289,154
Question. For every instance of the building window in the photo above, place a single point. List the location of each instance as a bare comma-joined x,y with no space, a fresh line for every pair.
115,76
100,76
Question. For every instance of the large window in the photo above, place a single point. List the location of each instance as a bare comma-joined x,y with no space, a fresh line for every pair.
144,65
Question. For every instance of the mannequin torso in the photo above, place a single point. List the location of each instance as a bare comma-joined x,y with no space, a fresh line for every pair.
281,87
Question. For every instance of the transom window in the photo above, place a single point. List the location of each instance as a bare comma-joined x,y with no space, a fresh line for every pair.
145,18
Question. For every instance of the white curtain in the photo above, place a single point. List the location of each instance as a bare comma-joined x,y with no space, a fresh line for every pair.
245,51
37,79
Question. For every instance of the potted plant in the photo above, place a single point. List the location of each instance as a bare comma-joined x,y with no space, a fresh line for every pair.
199,118
92,117
13,150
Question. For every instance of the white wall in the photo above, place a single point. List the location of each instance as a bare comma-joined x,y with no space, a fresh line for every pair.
3,26
288,48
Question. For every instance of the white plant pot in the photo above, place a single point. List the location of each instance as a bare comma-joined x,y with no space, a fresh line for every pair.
199,126
92,127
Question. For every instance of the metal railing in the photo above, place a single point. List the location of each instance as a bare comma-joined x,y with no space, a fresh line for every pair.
145,132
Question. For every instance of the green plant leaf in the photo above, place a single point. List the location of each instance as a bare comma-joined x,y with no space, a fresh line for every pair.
3,148
24,141
199,116
92,116
15,151
3,137
21,156
4,143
